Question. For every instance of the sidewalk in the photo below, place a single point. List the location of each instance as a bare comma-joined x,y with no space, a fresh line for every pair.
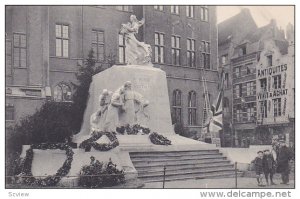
229,183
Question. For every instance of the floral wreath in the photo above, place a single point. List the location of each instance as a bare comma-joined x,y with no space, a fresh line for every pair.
154,137
159,139
91,142
50,180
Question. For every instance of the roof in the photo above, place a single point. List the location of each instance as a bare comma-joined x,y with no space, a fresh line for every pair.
228,28
257,34
282,46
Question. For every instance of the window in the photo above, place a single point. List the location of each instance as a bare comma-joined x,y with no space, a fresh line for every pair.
176,105
263,108
238,90
175,43
277,81
9,112
277,107
159,47
205,54
62,40
250,112
175,10
191,60
242,50
237,71
190,11
269,60
62,93
263,84
192,109
224,59
122,56
238,113
160,8
124,8
8,57
20,52
250,68
250,88
204,13
98,44
226,81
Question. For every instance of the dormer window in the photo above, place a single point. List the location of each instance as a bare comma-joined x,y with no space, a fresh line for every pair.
242,50
270,60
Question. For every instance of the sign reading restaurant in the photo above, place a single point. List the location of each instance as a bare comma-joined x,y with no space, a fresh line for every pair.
275,92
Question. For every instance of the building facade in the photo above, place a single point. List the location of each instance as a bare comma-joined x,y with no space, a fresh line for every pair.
242,56
45,46
276,92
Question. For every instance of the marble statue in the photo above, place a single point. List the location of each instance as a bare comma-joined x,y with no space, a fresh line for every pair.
136,52
98,118
133,104
121,108
112,117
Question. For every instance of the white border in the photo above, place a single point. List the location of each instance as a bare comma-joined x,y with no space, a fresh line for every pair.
112,193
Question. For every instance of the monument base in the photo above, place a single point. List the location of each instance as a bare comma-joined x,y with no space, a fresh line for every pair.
46,162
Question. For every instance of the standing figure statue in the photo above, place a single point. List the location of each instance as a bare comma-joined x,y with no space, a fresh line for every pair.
133,104
112,117
97,119
137,53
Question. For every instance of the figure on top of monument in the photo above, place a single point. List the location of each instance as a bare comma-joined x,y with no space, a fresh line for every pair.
137,53
133,103
97,119
112,117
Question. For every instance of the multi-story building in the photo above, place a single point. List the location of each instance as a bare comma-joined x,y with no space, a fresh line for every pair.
241,103
45,46
231,32
276,92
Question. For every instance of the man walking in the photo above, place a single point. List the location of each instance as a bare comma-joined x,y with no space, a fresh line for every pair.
268,166
284,156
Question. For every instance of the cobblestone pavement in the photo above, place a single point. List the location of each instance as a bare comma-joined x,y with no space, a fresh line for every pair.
243,182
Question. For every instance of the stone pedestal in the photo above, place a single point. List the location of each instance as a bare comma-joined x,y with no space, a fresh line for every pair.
149,81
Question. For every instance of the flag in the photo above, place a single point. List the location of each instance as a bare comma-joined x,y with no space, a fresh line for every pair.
216,120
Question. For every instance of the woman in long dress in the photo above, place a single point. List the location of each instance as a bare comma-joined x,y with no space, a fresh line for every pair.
97,120
136,52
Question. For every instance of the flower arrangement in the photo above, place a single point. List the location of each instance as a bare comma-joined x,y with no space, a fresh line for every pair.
91,142
133,130
50,180
159,139
98,174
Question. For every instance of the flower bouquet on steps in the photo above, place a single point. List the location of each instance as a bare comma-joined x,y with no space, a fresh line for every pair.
159,139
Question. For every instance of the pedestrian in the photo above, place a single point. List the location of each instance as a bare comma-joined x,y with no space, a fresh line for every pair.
284,156
258,164
275,147
268,166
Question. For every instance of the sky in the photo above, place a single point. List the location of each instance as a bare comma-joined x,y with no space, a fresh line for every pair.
261,14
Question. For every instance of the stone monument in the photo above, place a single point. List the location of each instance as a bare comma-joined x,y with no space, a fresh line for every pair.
135,93
140,93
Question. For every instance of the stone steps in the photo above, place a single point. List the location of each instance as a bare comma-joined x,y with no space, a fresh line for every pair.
154,162
184,170
181,165
173,153
206,175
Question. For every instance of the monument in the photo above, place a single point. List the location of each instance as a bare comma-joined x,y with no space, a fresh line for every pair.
123,95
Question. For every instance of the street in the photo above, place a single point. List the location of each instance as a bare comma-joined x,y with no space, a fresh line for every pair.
243,182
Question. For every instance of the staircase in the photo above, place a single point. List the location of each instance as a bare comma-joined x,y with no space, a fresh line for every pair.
181,165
